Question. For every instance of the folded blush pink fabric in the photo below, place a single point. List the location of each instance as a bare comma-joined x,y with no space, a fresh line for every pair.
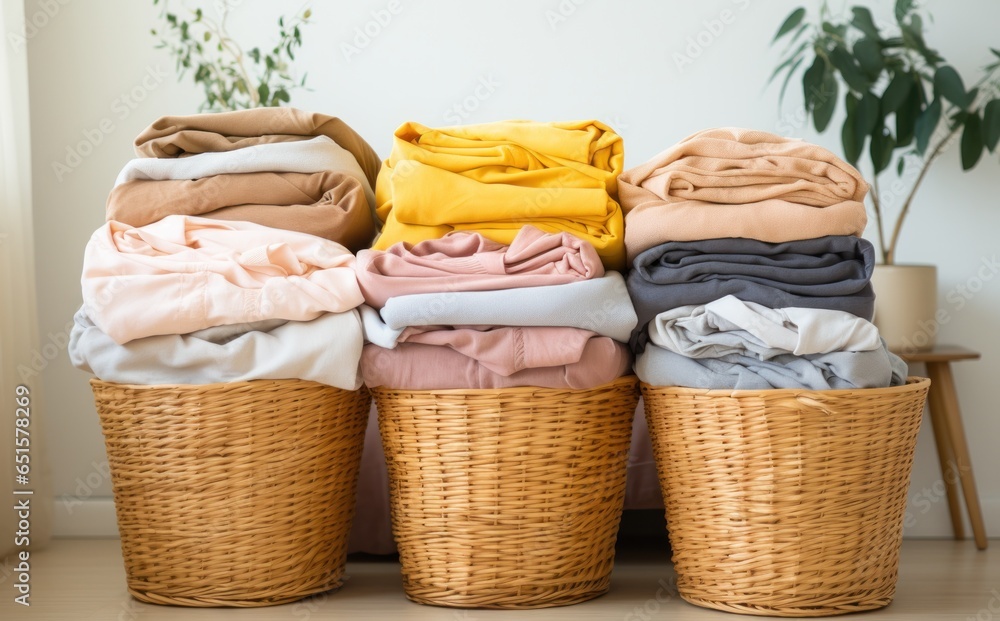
467,261
506,350
327,204
186,273
731,182
416,366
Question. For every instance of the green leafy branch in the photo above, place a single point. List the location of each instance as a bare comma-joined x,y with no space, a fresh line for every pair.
231,78
900,96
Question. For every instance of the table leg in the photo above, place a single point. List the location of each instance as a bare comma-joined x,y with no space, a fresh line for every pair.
953,420
945,450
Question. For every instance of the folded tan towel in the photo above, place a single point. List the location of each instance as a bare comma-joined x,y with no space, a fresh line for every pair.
731,182
175,136
326,204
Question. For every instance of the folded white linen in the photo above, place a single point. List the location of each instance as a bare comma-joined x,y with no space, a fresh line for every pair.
600,305
302,156
375,329
325,350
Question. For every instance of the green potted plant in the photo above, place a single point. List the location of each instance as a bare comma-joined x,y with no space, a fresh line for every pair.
231,78
907,105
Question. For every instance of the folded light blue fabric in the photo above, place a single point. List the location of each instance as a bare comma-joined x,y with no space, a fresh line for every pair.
877,368
731,326
600,305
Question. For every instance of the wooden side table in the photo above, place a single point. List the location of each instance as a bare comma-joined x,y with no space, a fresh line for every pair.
949,435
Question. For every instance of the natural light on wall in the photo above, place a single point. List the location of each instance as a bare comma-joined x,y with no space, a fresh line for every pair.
18,323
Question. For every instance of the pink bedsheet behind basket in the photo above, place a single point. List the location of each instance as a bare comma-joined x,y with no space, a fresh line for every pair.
372,530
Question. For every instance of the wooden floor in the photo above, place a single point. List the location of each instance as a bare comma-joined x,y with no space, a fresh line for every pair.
84,579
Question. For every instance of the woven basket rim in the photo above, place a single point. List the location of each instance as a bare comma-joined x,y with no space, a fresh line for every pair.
517,390
913,382
94,381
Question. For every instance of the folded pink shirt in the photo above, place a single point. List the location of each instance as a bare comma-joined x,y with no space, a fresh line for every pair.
465,261
185,273
506,349
416,366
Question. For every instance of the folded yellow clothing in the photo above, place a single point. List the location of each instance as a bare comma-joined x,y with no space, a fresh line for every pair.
497,177
731,182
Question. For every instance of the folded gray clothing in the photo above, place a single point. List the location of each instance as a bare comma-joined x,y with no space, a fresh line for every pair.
732,326
831,272
325,350
600,305
877,368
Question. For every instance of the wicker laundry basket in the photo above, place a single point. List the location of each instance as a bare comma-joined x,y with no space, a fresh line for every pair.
785,502
507,498
237,494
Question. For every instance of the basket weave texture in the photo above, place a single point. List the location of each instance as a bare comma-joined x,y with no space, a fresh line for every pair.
785,502
507,498
238,494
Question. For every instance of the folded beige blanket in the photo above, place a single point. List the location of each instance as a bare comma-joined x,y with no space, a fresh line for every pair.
327,204
731,182
176,136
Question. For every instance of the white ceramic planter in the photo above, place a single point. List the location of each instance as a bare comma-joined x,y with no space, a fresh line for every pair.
905,305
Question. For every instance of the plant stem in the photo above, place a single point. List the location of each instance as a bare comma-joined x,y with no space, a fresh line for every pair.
890,256
877,206
219,30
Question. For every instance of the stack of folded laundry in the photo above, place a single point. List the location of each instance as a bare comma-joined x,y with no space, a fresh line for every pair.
278,167
465,312
228,253
747,269
497,177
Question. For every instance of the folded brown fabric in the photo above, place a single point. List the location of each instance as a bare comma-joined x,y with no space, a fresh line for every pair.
176,136
416,366
730,182
326,204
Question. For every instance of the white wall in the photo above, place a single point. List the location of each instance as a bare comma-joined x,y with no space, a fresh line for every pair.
613,61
